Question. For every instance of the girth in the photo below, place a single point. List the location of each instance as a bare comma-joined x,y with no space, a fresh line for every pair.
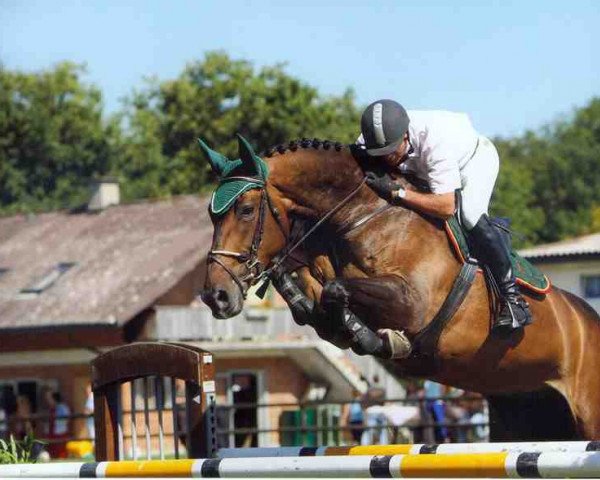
426,341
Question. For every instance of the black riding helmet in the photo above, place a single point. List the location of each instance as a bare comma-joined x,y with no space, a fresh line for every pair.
383,125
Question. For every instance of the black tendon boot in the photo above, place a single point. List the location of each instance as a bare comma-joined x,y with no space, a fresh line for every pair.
491,249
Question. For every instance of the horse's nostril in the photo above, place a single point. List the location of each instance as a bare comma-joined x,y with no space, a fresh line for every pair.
221,296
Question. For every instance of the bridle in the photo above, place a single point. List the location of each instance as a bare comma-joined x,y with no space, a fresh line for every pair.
255,271
254,268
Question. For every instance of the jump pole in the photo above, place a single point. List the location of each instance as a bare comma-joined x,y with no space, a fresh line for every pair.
477,465
413,449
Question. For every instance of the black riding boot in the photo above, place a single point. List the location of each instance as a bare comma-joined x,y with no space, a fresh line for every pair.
491,249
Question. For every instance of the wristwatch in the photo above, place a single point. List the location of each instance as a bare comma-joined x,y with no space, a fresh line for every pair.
400,193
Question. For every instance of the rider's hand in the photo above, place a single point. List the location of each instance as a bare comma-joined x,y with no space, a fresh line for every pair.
382,184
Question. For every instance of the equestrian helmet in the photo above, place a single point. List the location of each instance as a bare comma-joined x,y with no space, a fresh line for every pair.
383,125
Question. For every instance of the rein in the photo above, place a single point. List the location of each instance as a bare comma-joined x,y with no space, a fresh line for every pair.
310,231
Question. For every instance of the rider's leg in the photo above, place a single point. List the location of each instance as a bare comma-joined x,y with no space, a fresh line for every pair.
491,249
478,179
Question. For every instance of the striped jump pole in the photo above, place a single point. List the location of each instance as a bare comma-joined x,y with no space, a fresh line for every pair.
413,449
477,465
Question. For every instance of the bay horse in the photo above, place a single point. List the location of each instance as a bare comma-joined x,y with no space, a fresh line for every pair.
396,270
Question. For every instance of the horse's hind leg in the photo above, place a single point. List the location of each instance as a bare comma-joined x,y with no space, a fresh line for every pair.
586,406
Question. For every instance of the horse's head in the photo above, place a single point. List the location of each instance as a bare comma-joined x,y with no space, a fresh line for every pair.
250,228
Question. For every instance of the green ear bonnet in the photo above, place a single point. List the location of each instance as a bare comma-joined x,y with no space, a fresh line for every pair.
250,166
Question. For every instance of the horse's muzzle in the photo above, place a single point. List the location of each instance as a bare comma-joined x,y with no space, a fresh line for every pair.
222,302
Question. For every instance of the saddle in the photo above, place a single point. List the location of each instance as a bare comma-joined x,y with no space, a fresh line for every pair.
529,278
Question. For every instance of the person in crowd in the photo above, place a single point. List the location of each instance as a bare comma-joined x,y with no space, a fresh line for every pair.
457,412
8,406
436,407
20,422
88,409
58,423
479,419
416,396
355,417
3,419
376,422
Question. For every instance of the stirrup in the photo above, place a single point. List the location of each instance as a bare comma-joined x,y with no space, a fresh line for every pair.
513,315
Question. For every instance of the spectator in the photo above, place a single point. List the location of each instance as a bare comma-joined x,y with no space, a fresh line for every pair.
355,418
20,422
415,396
480,421
8,407
437,409
88,409
3,414
376,427
458,412
58,424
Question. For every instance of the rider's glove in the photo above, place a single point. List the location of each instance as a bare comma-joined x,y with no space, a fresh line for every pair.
383,184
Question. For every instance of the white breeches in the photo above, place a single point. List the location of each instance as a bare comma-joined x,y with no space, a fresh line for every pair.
478,177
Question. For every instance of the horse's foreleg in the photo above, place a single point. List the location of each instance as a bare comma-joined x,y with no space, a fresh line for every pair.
335,300
306,310
384,343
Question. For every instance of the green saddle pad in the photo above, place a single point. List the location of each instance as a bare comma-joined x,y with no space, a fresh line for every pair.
527,275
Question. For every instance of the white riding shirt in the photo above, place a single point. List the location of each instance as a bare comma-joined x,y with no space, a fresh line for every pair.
449,154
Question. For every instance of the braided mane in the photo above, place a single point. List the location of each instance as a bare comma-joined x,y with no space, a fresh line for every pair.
303,143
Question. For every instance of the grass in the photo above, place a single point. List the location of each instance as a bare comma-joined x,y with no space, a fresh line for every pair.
18,451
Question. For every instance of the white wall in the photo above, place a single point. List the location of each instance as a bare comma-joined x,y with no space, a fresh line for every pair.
567,275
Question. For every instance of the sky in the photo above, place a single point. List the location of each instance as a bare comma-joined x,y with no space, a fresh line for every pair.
512,65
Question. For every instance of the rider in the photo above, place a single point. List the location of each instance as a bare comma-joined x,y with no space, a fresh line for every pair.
444,149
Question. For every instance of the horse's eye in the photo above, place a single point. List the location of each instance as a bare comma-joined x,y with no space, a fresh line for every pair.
246,211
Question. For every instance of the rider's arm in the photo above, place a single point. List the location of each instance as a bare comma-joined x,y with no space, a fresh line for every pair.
443,175
441,205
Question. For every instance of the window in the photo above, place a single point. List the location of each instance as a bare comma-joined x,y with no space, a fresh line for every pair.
238,387
49,278
591,286
31,389
4,271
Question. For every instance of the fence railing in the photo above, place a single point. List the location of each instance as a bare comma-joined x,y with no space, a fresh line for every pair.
314,422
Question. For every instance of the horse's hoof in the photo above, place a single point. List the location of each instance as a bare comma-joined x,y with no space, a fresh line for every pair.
400,346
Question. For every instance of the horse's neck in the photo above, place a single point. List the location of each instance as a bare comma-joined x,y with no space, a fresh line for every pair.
316,181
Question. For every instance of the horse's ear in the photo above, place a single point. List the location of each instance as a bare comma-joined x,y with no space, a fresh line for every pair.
217,161
250,160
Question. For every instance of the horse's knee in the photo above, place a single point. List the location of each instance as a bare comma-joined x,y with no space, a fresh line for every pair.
334,292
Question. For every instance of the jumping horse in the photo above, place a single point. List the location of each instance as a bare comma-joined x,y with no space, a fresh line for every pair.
393,269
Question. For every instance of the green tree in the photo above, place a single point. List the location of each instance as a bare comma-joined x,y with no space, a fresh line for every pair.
52,138
513,196
549,181
214,99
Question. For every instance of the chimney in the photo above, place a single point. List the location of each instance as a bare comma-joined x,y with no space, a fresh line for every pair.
105,192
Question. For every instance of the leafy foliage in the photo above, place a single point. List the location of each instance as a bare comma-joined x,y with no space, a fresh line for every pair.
215,99
15,451
54,140
549,182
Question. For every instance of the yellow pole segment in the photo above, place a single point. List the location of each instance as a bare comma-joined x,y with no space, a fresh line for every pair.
150,468
454,465
379,450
